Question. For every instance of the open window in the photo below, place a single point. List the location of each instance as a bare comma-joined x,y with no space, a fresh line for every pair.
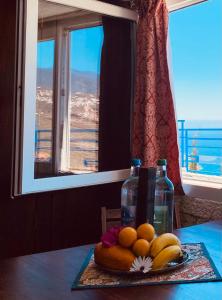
78,90
196,39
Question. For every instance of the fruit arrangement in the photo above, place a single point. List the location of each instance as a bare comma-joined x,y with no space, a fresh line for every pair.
130,249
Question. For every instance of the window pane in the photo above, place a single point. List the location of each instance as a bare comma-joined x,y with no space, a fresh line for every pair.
85,58
84,91
44,108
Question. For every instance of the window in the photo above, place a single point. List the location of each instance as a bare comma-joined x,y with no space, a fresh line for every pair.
77,89
84,89
196,39
71,146
44,105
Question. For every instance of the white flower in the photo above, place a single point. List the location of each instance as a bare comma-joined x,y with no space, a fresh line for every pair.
141,264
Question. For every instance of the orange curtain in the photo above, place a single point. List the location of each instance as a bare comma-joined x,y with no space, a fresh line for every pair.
155,128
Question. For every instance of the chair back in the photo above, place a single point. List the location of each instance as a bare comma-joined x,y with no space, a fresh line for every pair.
112,217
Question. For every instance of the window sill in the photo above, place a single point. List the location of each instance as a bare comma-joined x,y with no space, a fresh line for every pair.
202,186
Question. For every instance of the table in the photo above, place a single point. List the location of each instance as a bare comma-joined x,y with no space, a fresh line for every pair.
49,275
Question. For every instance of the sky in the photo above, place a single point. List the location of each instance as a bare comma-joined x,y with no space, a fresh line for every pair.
196,66
196,47
85,43
45,54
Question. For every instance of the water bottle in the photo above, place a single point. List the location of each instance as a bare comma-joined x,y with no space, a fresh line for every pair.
164,200
129,194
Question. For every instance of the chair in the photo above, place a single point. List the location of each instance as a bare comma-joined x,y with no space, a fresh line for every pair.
112,217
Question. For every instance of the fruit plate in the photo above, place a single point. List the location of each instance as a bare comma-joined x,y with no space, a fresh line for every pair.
173,265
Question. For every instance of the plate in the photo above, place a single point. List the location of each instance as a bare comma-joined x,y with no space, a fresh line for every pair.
173,265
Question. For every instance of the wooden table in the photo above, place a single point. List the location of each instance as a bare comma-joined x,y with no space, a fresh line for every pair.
49,275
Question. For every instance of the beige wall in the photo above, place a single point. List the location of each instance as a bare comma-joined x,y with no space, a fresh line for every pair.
196,210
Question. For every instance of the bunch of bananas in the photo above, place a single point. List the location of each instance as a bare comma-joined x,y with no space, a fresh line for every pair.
164,249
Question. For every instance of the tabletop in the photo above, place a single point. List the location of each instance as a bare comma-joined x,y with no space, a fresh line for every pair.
49,275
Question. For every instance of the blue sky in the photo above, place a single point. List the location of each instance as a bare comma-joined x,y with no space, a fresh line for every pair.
196,46
45,54
84,43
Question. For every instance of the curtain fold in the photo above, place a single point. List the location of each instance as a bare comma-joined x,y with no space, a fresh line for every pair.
116,95
154,128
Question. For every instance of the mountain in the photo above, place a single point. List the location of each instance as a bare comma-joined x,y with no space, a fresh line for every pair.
81,82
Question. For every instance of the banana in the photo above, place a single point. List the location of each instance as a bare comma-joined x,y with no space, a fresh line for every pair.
163,241
165,256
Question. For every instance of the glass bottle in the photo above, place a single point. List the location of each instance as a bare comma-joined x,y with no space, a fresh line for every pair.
129,194
164,200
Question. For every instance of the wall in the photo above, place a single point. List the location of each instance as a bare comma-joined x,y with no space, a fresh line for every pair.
202,202
56,220
196,210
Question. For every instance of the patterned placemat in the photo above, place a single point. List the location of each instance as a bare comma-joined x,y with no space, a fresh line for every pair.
199,268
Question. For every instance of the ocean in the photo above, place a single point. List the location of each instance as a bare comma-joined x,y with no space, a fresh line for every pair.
203,144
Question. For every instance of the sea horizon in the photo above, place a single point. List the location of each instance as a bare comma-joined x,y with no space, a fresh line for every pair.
204,123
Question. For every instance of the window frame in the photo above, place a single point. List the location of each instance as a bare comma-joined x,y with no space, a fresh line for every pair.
173,5
61,129
62,139
25,182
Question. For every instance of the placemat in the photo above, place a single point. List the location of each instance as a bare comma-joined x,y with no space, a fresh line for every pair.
199,268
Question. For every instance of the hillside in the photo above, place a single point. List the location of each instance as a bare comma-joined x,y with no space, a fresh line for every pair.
81,82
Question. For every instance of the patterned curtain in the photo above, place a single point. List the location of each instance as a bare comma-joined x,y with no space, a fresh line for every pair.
155,128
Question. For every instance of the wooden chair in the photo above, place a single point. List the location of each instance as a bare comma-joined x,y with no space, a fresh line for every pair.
112,217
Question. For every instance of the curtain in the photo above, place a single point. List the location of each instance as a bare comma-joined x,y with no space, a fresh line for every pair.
116,94
155,128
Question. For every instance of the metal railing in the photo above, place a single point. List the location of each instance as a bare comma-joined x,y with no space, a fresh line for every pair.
200,149
44,143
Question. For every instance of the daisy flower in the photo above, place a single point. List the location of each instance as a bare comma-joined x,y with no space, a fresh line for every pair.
141,264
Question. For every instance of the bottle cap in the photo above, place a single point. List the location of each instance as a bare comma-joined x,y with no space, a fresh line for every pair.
136,162
161,162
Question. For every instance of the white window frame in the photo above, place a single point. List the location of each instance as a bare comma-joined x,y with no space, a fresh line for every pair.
173,5
62,138
28,184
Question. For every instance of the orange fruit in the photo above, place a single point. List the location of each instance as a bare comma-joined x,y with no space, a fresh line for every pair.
146,231
127,237
141,247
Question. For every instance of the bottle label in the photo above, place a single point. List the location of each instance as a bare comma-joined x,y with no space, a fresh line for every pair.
128,215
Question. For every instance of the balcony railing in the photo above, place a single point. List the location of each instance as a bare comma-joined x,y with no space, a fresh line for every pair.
43,144
200,148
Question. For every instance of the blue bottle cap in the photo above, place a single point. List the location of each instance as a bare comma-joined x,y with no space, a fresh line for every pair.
136,162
